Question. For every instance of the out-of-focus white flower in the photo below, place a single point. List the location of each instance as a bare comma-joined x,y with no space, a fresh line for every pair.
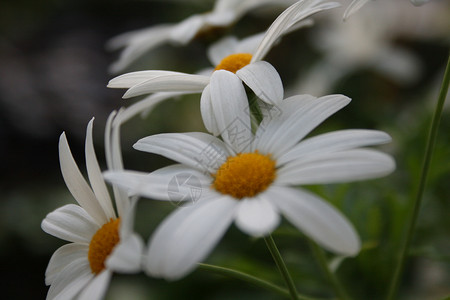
224,13
102,242
249,178
258,75
367,40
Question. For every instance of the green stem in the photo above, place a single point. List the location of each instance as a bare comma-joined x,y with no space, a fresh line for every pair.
252,280
322,260
245,277
421,188
281,266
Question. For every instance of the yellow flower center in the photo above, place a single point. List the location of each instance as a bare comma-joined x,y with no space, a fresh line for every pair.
234,62
245,175
102,244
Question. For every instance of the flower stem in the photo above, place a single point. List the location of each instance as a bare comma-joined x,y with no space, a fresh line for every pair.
321,259
245,277
251,279
421,188
281,266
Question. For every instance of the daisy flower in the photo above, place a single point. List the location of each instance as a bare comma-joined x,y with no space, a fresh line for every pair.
224,13
253,187
368,41
260,76
102,242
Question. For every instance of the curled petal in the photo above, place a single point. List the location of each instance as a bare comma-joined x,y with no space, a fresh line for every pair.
317,219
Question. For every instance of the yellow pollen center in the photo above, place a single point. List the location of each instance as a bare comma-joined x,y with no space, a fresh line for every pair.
234,62
245,175
102,244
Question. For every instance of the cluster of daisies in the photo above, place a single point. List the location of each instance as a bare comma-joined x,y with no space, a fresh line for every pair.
248,170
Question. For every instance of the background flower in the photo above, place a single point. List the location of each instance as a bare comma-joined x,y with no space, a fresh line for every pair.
224,13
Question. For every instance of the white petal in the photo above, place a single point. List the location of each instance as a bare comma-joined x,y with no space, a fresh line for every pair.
354,7
137,43
198,150
77,185
161,240
317,219
123,39
129,80
70,223
297,26
95,175
222,49
231,110
336,167
262,78
163,183
146,105
288,18
70,281
206,109
96,289
221,19
257,216
226,5
275,31
276,115
127,255
169,83
64,256
187,236
113,155
299,115
249,44
107,137
185,31
335,141
127,219
122,201
400,65
312,7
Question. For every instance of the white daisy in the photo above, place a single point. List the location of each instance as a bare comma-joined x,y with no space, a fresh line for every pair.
102,242
254,187
369,40
224,13
258,75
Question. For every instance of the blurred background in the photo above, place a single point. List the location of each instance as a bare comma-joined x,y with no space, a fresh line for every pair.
389,58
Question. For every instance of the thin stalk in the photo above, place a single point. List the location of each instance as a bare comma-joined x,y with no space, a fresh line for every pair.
252,280
246,277
322,260
421,188
281,266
